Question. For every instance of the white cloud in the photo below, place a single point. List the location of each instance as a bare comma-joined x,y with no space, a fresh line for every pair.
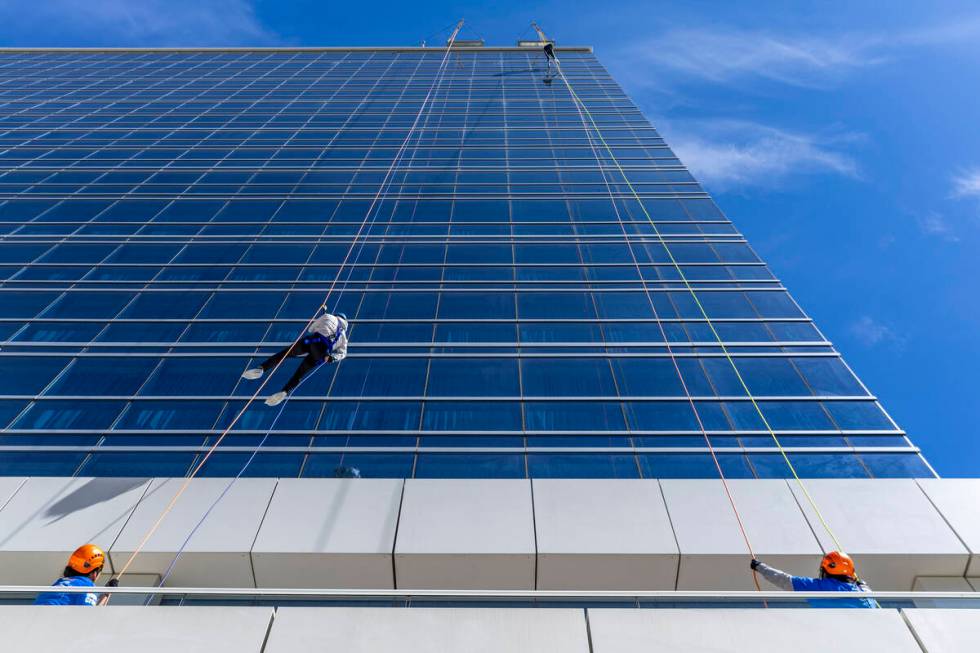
871,332
726,154
135,23
967,183
730,54
936,224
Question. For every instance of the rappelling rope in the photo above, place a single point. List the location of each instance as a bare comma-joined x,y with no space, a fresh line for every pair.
183,488
703,312
670,351
227,488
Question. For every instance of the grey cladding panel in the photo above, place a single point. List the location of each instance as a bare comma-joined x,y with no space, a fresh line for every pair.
47,518
945,631
757,630
429,630
466,534
603,534
328,533
132,629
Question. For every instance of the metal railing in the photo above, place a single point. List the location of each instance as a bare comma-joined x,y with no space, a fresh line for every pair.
512,598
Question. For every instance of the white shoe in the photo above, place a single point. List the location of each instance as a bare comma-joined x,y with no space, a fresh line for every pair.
254,373
275,399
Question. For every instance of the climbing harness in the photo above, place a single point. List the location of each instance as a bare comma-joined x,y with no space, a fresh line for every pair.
328,342
357,237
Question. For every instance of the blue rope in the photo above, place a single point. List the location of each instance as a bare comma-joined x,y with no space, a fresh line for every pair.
207,513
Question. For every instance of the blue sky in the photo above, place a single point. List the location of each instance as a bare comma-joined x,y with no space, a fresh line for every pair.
841,137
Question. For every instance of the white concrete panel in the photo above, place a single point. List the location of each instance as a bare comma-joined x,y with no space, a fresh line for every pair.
8,487
714,554
329,533
61,629
218,553
761,631
465,534
134,580
974,583
940,584
945,631
428,630
958,500
603,535
888,526
48,518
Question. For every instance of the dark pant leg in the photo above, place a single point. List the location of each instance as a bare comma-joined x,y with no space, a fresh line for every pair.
315,352
296,349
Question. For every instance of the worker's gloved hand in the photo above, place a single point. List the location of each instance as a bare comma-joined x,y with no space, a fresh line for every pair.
113,583
754,564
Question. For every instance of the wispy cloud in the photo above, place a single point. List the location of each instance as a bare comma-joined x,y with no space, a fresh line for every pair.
725,154
731,54
871,332
935,224
133,23
967,183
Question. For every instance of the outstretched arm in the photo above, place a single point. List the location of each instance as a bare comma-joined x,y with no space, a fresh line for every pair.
104,599
780,579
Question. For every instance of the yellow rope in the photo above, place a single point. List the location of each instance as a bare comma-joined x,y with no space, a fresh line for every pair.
704,313
670,351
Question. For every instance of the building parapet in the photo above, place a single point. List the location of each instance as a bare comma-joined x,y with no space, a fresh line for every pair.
478,534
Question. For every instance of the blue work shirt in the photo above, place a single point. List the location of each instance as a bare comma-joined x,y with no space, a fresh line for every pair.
64,598
805,584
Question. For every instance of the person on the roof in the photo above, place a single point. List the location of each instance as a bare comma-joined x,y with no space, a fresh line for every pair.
83,569
325,342
837,574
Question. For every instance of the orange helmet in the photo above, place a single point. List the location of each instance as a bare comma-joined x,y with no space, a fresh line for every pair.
86,559
838,563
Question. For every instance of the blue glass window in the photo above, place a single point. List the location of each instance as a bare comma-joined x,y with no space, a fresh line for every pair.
574,416
231,464
154,415
194,376
24,304
854,415
553,465
69,415
471,377
567,377
28,375
140,464
650,377
693,465
829,376
368,465
461,465
370,415
380,377
472,416
661,416
14,463
896,465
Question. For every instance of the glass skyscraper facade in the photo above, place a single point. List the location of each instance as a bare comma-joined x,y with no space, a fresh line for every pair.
531,293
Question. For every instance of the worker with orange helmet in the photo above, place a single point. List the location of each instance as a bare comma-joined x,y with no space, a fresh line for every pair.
836,575
84,567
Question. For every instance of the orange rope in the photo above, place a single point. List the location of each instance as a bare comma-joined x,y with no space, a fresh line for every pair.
580,107
187,481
